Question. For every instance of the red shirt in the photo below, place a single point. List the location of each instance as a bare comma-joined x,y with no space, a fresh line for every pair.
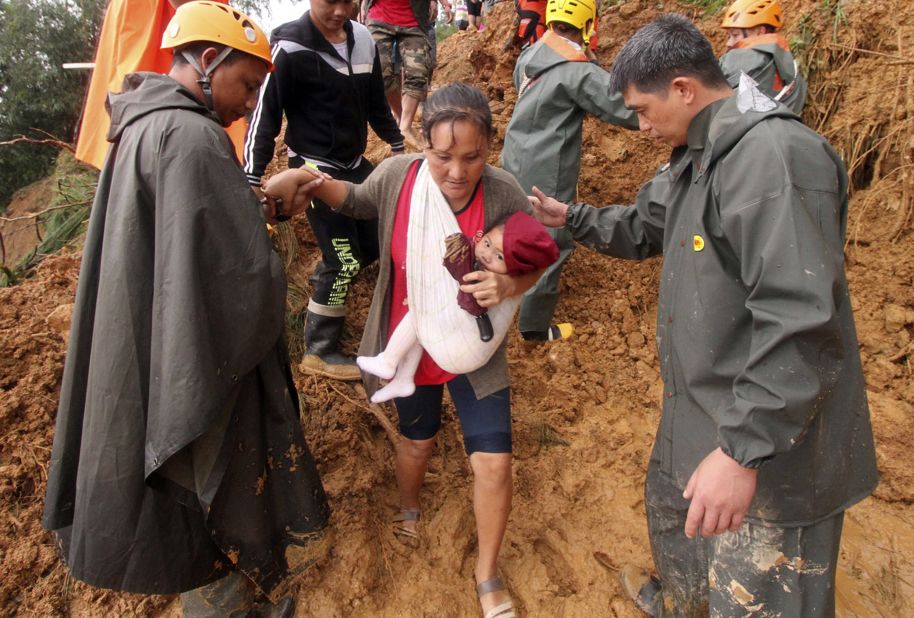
471,221
393,12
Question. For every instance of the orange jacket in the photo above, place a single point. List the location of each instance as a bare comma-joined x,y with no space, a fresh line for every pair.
129,42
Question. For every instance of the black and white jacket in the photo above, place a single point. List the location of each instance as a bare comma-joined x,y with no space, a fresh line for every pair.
328,100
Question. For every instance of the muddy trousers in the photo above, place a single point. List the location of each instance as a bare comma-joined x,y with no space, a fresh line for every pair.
538,306
347,245
755,571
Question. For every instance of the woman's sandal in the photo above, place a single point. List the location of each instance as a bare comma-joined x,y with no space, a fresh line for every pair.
502,610
406,535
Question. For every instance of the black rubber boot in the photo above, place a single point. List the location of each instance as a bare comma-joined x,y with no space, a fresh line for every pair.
322,339
553,333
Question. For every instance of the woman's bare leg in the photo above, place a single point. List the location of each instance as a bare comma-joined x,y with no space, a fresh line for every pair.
411,465
492,489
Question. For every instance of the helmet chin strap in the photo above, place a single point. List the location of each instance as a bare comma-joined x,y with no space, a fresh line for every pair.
204,81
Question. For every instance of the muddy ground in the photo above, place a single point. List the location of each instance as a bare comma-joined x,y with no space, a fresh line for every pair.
584,410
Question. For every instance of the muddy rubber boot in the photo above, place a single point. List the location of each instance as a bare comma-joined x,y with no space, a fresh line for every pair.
322,338
641,587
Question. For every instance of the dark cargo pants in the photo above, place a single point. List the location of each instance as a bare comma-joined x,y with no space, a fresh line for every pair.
756,571
347,245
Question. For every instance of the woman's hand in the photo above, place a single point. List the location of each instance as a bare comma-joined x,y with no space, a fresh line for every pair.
488,288
289,192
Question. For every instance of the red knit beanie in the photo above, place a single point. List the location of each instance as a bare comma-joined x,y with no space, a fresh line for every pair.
527,245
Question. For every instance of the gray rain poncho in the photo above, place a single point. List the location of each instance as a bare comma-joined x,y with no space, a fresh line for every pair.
178,450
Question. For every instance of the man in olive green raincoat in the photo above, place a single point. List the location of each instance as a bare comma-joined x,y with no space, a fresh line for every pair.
765,438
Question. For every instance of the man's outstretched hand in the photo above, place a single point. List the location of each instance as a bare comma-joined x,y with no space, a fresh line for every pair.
721,491
548,211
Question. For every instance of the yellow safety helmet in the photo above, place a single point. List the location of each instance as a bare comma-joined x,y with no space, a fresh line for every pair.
217,23
752,13
574,12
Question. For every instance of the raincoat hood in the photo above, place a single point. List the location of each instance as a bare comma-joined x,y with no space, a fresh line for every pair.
144,93
776,49
554,50
768,61
721,125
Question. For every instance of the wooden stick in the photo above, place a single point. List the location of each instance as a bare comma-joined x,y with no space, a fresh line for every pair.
35,215
374,409
870,51
42,142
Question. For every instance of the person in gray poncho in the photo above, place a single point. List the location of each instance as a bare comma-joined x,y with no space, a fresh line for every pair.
765,437
179,461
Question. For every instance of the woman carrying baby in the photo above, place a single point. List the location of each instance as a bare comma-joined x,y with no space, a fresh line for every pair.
457,128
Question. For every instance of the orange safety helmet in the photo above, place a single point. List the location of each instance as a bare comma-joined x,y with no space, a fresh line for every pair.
217,23
752,13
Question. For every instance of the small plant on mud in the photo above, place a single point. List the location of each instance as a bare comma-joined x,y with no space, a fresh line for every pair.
62,222
801,41
547,436
834,8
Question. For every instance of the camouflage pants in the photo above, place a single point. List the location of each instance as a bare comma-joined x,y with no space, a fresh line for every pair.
411,49
756,571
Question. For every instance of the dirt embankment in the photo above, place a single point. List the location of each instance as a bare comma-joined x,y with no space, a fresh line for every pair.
585,410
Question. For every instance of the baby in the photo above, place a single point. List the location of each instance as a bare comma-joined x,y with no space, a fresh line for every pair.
516,247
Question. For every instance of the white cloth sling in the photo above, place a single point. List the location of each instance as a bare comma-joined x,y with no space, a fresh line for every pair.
448,333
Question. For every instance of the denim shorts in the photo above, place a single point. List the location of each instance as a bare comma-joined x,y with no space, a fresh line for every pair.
486,422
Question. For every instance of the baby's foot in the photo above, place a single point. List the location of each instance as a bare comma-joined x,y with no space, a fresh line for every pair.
397,388
376,366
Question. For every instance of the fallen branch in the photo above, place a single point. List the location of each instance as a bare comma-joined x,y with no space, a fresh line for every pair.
35,215
900,354
874,53
373,408
19,139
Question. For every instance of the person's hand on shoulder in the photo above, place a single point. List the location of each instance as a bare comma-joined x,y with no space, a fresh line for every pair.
721,491
547,210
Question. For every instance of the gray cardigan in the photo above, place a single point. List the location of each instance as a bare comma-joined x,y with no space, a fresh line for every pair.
377,197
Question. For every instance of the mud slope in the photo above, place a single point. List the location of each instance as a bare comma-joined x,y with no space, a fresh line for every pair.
585,410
